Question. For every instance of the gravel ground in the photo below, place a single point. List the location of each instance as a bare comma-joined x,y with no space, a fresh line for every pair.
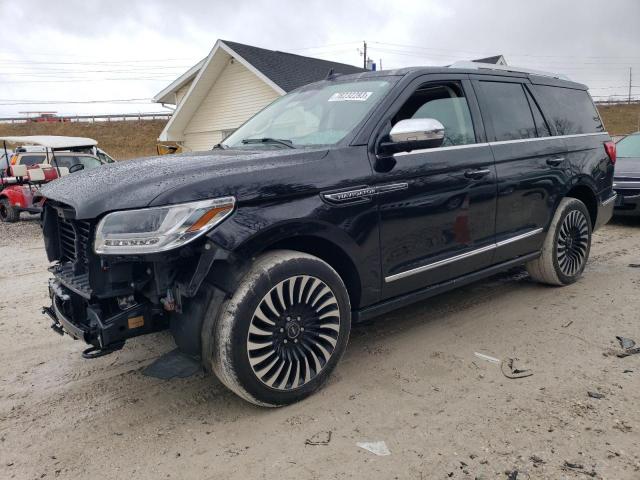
411,379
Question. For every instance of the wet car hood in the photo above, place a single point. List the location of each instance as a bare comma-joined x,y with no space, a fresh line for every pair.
169,179
627,167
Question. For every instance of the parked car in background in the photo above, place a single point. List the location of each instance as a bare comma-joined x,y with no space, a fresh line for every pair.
340,201
627,176
35,161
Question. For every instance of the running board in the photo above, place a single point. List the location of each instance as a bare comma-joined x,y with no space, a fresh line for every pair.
387,306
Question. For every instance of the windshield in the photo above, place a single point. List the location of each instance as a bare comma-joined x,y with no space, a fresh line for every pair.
320,114
629,146
69,161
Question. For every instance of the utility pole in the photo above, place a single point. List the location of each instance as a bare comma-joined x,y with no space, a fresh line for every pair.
365,55
630,77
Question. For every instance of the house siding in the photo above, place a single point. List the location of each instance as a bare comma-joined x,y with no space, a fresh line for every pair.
236,95
182,91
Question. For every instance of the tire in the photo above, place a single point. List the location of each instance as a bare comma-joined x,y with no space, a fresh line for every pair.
8,213
290,313
566,247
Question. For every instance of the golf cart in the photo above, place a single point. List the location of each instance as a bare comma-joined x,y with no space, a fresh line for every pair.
37,160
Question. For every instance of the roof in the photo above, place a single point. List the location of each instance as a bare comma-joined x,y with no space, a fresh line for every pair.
165,95
286,70
496,59
51,141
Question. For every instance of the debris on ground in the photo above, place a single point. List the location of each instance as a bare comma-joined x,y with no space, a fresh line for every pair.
510,371
377,448
634,265
578,467
320,438
516,475
567,324
487,357
596,395
626,343
536,460
629,347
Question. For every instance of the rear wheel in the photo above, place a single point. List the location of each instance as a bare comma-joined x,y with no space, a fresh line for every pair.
8,213
283,331
566,248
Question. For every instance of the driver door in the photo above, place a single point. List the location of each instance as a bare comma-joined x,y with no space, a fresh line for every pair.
437,222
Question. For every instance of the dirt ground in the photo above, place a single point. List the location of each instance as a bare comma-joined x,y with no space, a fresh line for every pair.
411,380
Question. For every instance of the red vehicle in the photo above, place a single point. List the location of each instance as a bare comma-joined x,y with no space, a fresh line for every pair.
20,181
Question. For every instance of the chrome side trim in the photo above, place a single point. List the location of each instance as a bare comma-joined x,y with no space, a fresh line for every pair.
522,236
609,200
626,184
462,256
431,266
502,142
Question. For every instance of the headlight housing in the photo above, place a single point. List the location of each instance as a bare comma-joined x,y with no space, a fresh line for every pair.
157,229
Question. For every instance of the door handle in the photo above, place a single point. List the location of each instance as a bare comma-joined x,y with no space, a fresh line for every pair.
554,162
477,174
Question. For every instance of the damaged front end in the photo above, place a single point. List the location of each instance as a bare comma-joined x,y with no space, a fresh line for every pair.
106,298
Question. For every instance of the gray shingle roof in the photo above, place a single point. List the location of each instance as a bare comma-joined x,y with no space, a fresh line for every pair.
287,70
494,59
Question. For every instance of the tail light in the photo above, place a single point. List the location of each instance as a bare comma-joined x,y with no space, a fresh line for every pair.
610,148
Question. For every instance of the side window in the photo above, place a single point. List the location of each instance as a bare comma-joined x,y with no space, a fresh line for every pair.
571,111
445,103
508,110
541,124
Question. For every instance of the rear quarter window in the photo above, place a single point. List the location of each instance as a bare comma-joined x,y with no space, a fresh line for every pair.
571,111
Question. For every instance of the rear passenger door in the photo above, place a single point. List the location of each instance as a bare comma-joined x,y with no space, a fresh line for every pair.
531,167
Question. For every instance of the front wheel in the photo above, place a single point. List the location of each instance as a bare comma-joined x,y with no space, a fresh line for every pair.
8,213
566,247
277,339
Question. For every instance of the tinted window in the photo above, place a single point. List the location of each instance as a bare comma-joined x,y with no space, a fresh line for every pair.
508,111
570,111
445,103
31,160
541,124
629,146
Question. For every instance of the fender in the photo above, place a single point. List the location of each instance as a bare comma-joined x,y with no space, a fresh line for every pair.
16,196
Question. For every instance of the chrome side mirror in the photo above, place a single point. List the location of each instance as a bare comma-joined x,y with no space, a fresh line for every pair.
416,130
412,134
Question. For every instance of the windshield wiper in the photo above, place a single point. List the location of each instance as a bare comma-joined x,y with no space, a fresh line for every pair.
286,143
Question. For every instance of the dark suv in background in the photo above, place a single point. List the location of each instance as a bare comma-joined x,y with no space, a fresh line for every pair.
341,201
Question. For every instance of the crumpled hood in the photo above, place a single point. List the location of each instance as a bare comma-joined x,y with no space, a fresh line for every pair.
627,167
179,178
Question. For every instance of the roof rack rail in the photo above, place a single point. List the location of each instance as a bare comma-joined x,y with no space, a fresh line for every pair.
505,68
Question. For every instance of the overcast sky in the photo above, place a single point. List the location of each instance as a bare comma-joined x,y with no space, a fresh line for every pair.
84,50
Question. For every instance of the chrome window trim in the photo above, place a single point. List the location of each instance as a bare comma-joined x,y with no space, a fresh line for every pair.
501,142
462,256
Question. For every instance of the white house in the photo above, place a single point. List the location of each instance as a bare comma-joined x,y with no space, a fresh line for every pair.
221,92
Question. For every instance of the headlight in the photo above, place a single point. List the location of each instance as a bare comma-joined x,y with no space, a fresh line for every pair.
158,229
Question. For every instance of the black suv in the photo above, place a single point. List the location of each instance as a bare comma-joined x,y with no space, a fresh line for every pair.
341,201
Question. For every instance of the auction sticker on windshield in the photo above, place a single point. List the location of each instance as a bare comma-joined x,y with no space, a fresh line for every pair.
350,96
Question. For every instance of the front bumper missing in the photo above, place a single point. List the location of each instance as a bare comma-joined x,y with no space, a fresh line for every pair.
95,327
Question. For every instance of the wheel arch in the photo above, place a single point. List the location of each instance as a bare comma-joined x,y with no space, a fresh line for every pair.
327,242
586,194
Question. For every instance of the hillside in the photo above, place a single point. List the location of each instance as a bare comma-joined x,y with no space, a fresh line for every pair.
121,139
131,139
621,119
